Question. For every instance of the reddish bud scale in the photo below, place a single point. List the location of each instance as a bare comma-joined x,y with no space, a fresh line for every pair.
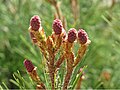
35,23
72,35
82,36
28,65
57,26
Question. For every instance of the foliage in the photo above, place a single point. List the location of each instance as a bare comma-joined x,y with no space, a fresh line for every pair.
100,21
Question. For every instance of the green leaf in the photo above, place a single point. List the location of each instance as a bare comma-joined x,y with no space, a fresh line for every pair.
5,86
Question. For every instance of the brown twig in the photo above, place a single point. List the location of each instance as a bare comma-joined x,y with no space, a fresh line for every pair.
51,58
81,53
113,3
69,56
75,9
58,13
70,60
36,78
39,38
59,61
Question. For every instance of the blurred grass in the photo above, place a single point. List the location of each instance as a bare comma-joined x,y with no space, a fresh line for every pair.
101,22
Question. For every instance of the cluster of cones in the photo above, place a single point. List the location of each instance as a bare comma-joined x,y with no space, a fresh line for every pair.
58,41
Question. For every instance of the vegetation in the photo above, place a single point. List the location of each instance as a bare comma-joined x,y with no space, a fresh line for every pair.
99,19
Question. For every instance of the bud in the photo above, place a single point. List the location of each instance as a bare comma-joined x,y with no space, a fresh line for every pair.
57,26
81,71
35,23
72,35
82,36
28,65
